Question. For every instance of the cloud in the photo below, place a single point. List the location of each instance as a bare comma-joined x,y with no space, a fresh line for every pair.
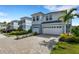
5,19
2,14
59,7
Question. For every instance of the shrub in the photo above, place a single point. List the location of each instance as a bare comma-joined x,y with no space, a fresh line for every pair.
75,31
29,31
69,38
63,37
18,32
35,33
20,29
8,30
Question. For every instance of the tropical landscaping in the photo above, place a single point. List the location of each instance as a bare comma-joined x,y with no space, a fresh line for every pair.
68,42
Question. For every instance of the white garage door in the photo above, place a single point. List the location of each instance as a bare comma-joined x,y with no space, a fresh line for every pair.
36,30
52,30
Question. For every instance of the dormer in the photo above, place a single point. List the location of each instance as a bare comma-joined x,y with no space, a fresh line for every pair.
37,18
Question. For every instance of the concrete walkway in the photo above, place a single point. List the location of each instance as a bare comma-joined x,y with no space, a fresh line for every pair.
29,45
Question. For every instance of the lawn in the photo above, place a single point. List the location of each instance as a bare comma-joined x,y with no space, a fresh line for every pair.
66,48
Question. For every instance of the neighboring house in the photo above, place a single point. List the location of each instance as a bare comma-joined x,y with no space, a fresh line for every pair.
25,23
13,25
3,26
49,23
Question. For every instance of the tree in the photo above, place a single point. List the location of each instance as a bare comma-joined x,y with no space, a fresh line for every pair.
69,16
5,22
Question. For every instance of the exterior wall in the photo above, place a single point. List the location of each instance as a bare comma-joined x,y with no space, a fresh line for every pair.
25,23
40,19
15,25
55,16
2,26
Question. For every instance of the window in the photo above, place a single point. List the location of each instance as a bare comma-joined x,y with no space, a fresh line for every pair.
59,26
33,18
37,18
54,26
46,17
50,17
23,21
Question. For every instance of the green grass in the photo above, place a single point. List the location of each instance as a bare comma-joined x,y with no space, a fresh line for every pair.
65,48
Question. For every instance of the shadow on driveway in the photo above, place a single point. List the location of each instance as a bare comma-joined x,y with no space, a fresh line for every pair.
47,35
50,44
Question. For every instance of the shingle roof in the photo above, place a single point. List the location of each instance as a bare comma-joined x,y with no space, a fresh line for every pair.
57,11
50,12
14,21
26,17
38,13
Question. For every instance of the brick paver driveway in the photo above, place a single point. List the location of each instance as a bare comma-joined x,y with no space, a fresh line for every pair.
29,45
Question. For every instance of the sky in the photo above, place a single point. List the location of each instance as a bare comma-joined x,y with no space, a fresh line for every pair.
15,12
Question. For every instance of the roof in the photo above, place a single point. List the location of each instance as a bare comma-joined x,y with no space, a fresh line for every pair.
26,17
37,13
57,21
57,11
14,21
49,12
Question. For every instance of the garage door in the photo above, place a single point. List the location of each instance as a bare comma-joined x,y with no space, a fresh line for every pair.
36,30
52,30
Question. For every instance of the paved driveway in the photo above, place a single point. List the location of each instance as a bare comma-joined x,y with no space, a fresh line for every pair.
29,45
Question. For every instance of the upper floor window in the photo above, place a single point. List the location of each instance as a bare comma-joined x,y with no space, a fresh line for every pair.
33,18
37,18
46,17
50,17
23,21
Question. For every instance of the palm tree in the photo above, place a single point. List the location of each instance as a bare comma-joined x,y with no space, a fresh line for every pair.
69,16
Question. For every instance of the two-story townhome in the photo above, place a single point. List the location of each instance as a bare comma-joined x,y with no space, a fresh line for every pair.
25,23
50,23
13,24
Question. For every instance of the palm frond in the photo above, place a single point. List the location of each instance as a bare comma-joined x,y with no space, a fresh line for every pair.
71,10
68,16
76,15
69,13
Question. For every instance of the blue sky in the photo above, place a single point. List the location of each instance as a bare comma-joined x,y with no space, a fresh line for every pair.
15,12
